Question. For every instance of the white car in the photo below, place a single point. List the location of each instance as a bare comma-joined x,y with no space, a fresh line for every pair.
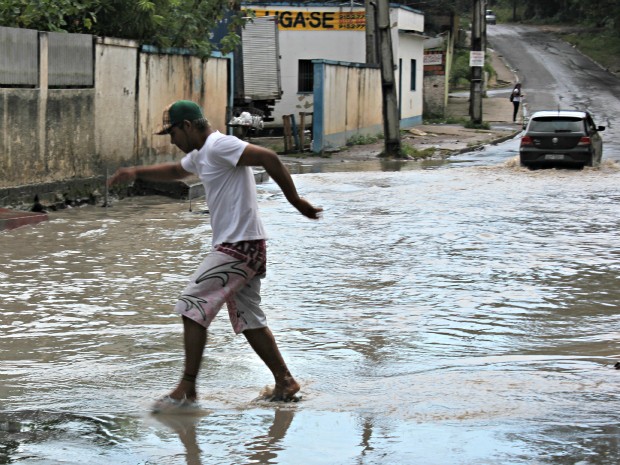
490,17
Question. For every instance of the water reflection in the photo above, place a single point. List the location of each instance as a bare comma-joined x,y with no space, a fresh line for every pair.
184,426
262,448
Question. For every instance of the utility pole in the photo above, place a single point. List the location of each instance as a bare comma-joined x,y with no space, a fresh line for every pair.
372,43
476,62
391,121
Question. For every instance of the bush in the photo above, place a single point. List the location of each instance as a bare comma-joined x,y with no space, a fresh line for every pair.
460,75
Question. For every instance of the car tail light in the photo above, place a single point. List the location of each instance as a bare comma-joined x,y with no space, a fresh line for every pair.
584,141
526,140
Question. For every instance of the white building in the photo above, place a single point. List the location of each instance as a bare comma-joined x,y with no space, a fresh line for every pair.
333,32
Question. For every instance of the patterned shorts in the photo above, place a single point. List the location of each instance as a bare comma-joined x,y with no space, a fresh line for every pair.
230,274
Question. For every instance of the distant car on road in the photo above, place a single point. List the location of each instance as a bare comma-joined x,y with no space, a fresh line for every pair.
490,17
561,137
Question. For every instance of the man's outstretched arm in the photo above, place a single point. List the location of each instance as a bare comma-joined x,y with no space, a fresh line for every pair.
161,172
255,155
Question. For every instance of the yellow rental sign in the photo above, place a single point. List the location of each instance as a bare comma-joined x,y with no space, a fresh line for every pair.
290,20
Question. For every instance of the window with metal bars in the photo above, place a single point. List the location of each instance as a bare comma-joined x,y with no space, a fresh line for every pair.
305,73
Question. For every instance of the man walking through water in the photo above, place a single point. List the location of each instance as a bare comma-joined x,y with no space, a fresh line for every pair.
231,272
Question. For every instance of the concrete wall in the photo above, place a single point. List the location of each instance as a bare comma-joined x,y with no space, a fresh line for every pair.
115,100
69,149
327,45
47,139
53,139
348,102
19,141
166,78
435,91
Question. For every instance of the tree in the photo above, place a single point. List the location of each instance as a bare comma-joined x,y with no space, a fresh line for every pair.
163,23
597,13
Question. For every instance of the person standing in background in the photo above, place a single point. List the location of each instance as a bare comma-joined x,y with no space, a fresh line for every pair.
515,98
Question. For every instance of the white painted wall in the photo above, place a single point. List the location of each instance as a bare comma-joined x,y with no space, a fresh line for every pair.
410,47
341,45
308,45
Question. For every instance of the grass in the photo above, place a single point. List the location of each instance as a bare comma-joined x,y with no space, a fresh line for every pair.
418,154
446,120
600,44
603,47
361,139
471,125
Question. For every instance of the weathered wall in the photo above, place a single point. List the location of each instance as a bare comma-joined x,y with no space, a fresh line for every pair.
52,137
348,103
160,84
69,150
115,100
46,141
435,95
19,144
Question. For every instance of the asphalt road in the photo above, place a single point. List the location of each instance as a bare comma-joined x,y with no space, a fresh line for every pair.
556,75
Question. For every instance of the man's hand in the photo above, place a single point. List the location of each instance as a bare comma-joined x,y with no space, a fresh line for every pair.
162,172
307,209
123,176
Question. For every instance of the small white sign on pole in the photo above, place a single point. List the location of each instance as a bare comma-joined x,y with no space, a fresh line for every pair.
476,58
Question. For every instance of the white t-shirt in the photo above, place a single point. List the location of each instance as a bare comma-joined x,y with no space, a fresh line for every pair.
230,189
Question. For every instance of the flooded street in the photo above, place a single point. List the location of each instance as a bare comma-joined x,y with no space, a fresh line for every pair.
465,313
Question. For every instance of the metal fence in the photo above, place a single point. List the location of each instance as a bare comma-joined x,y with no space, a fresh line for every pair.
19,57
70,59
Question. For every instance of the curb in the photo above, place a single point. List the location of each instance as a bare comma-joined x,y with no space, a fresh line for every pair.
475,148
12,219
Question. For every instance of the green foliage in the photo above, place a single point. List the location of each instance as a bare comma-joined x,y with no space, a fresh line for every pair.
471,125
602,48
461,71
416,153
162,23
445,120
360,139
597,13
49,15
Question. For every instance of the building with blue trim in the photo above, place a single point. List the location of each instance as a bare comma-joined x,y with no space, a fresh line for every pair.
337,32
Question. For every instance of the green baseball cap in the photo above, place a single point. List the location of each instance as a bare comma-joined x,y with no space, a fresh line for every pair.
178,112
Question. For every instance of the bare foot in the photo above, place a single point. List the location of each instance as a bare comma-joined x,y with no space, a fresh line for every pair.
283,391
185,390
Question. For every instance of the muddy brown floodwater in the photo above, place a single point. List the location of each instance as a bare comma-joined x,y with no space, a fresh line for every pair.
445,316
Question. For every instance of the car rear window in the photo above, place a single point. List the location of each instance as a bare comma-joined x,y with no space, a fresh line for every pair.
556,124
